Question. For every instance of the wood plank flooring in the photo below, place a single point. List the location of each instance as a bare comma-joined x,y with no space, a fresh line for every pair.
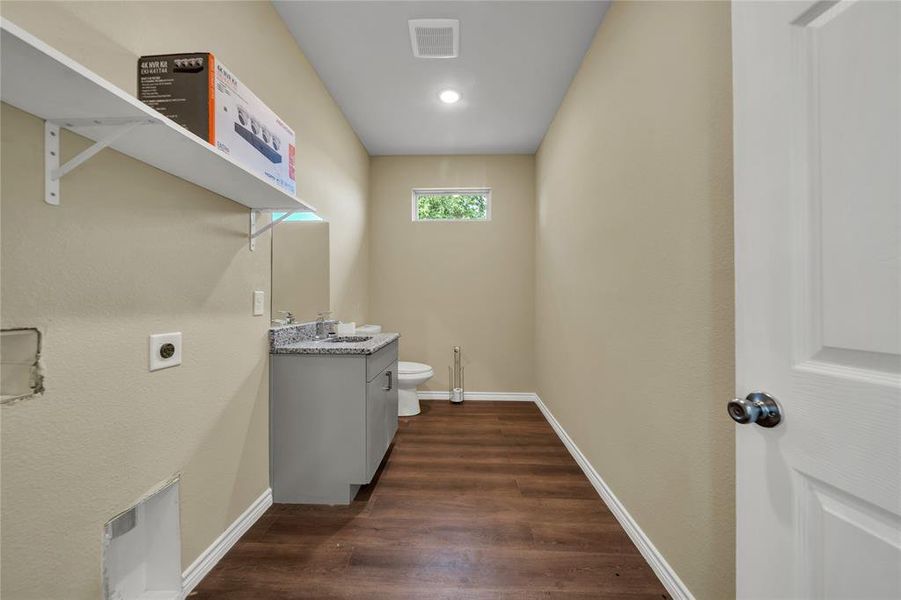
479,500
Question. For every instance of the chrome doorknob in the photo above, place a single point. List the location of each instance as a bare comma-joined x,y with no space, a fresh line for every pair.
757,407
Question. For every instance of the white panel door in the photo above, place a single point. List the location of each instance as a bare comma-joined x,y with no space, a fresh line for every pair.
817,93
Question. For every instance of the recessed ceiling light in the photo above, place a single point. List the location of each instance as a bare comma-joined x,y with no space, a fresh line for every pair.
449,96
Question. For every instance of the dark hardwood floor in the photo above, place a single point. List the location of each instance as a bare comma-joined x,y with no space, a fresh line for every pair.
479,500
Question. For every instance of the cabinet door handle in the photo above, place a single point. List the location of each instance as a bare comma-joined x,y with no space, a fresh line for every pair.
388,375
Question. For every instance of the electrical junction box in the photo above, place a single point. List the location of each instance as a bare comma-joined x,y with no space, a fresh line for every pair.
204,96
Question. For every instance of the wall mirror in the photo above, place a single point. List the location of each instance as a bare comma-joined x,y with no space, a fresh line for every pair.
300,269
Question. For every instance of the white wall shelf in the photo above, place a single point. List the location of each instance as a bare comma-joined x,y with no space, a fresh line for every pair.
46,83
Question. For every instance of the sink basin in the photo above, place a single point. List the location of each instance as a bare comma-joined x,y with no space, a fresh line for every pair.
348,339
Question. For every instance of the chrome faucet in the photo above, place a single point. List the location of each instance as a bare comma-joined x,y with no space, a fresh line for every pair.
321,333
289,317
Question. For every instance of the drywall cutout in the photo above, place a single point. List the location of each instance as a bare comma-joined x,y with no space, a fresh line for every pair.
20,369
142,549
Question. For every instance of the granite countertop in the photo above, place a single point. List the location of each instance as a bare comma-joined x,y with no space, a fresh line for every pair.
298,339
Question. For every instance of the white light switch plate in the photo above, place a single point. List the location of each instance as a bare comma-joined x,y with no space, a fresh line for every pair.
158,355
259,299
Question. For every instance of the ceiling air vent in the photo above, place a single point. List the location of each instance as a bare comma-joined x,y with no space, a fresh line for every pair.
435,38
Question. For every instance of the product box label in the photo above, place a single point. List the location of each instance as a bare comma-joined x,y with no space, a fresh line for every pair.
251,133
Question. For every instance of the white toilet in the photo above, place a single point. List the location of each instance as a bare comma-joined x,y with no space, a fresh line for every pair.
410,375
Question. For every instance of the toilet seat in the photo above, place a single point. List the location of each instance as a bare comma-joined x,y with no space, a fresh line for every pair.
412,368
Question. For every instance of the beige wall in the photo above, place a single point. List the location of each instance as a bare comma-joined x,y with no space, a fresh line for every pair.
94,276
466,284
300,269
634,319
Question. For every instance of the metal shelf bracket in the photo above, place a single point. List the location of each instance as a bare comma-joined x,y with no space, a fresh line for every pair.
53,171
254,233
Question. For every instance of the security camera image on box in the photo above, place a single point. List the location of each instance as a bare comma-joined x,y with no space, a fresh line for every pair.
257,136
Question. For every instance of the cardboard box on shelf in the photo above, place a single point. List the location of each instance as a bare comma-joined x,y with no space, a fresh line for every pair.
204,96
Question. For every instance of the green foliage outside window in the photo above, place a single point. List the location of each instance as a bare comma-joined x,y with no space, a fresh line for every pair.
451,206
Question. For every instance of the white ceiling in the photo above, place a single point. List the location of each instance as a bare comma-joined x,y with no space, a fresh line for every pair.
517,58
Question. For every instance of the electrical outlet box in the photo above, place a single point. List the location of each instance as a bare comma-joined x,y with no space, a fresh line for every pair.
259,299
165,350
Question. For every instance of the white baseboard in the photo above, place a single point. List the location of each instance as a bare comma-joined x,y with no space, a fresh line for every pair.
668,577
493,396
212,555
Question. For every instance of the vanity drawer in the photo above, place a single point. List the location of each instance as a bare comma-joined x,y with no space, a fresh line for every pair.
379,361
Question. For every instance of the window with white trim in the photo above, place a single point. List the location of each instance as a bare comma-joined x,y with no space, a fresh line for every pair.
452,204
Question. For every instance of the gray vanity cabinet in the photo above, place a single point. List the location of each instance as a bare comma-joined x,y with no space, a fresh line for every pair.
376,432
381,416
332,418
391,402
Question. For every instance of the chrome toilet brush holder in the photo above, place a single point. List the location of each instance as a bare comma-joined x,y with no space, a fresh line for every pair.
455,378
